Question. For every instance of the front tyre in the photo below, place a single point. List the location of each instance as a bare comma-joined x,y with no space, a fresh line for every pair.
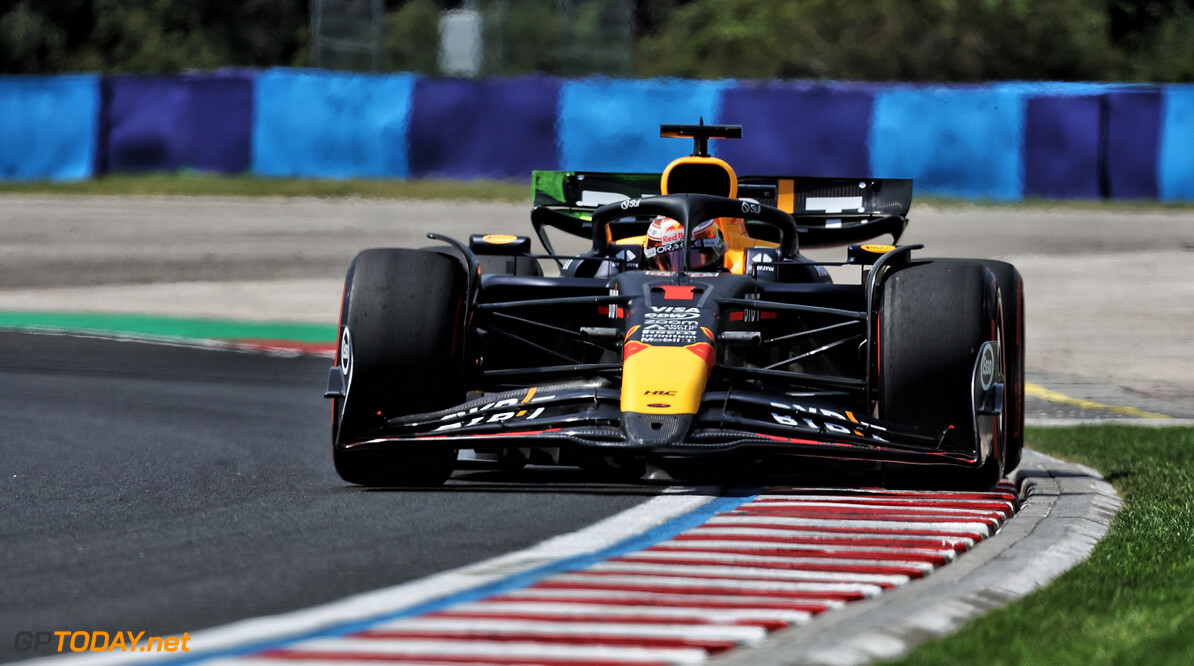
1011,291
934,320
401,328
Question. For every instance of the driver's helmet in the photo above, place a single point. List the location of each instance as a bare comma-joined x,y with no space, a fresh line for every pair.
666,247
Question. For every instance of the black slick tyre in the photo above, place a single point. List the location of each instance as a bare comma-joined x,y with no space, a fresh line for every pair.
934,318
1011,290
1011,296
400,351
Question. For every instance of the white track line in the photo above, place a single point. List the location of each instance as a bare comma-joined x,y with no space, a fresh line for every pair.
743,602
982,528
779,561
395,649
812,535
796,548
737,585
895,507
747,572
608,612
737,634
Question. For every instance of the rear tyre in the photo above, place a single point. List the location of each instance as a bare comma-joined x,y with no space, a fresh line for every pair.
933,319
401,350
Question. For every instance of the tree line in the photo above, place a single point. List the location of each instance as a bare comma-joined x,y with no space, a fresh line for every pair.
861,40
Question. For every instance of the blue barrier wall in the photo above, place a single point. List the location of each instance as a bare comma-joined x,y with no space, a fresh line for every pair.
48,127
496,128
1061,147
997,141
166,123
1176,156
613,125
1133,137
963,141
331,125
797,128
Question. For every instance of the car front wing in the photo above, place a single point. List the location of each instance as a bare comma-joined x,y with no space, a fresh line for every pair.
590,417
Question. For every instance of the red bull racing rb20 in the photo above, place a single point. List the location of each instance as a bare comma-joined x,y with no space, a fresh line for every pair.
692,336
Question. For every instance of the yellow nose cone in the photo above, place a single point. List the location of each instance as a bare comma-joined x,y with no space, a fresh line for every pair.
664,380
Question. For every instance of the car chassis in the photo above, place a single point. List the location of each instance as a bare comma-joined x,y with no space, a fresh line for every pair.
918,366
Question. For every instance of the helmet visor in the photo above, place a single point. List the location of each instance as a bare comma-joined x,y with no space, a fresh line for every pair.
667,250
670,256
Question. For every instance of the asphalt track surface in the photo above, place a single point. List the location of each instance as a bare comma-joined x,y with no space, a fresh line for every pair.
169,489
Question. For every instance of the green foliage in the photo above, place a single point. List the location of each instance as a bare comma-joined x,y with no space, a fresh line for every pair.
30,42
148,36
883,40
1169,54
154,37
872,40
412,38
521,37
594,39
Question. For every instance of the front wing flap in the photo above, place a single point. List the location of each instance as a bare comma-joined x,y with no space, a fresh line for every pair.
590,417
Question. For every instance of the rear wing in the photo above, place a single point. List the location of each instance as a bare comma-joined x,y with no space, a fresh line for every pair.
800,196
829,211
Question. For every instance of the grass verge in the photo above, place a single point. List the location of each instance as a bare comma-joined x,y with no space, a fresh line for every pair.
203,184
1132,602
190,183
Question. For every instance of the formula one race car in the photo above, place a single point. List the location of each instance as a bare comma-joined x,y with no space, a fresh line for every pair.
691,336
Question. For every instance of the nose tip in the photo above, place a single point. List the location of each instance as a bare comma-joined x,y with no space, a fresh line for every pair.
653,430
